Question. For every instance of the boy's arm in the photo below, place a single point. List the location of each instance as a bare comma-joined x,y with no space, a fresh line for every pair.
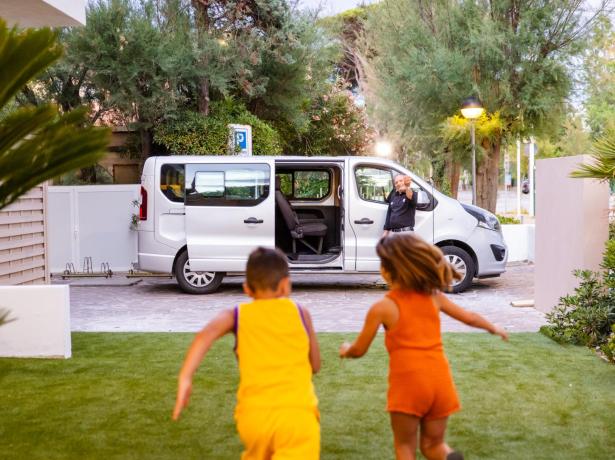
373,320
222,324
470,318
314,347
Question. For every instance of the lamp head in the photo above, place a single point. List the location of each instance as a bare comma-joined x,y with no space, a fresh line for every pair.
471,108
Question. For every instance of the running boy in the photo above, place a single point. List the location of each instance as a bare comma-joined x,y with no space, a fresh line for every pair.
421,389
277,410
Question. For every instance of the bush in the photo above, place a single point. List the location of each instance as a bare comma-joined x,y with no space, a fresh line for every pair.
337,126
196,134
508,220
587,317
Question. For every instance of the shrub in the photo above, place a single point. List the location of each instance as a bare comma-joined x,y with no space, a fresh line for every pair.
196,134
508,220
337,126
587,317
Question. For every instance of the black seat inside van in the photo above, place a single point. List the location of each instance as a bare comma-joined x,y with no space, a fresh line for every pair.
299,229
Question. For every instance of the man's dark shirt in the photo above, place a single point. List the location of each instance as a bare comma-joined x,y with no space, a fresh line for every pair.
401,210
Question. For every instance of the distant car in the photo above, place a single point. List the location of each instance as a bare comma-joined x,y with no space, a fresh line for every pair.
525,186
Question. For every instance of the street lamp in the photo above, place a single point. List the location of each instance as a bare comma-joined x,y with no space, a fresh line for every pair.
471,109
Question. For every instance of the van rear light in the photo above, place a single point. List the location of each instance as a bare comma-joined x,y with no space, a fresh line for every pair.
143,207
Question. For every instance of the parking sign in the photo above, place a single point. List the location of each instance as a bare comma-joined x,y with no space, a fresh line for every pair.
240,140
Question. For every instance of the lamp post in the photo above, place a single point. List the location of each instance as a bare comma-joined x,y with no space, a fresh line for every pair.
471,109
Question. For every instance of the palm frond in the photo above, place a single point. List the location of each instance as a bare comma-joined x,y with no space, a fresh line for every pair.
38,143
603,166
23,56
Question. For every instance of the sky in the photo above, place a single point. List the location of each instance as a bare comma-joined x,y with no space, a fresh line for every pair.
331,7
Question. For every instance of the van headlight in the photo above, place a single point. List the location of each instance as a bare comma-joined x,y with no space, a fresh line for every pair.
485,218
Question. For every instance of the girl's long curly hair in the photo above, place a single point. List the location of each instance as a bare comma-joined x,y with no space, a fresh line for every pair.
414,264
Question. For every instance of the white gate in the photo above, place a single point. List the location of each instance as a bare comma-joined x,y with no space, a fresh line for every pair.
92,221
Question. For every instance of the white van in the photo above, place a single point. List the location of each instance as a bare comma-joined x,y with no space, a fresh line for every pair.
201,216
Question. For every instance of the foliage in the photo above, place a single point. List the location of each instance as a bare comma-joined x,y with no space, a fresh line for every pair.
421,59
603,151
571,139
148,63
197,134
337,127
599,69
508,220
37,143
587,317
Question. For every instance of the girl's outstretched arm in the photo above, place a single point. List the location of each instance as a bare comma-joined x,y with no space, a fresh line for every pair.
379,313
470,318
222,324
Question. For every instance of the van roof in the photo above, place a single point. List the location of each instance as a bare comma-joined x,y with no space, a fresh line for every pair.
187,158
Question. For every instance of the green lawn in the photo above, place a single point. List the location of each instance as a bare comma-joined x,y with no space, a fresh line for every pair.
527,399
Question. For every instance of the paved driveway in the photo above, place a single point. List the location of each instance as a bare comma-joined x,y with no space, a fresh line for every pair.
338,303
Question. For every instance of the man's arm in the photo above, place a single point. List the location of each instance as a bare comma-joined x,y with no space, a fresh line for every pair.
387,220
408,184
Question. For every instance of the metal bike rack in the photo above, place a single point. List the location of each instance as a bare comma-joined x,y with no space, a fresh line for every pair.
87,270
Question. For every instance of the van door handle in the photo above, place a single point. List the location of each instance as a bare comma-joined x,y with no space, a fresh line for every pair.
253,220
365,220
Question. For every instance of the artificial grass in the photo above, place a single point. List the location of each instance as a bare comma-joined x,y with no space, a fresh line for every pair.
527,399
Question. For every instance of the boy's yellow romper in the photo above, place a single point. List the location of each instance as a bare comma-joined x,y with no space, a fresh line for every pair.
277,409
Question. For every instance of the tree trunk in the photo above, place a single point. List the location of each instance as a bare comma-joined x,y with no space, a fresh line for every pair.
146,144
454,171
203,94
201,8
487,173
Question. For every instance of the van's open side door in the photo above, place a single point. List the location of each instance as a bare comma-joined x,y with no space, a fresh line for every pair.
230,210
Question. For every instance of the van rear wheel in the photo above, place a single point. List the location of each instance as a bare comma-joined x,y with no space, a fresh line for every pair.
195,282
463,263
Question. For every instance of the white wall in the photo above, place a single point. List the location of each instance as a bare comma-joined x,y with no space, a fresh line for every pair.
92,221
42,322
520,241
571,227
42,13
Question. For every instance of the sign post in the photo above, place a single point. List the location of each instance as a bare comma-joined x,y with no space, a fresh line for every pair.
240,140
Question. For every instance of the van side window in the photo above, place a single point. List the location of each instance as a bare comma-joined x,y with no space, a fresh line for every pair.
305,184
172,182
226,184
373,184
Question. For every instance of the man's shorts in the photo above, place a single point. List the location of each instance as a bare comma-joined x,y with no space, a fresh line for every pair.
279,434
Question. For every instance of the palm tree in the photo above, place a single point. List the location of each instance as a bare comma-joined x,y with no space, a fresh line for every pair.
603,168
37,143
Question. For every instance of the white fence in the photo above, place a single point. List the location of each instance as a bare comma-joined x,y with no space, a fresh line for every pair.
520,241
92,221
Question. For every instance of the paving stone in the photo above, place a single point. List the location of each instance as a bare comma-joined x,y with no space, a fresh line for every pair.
338,303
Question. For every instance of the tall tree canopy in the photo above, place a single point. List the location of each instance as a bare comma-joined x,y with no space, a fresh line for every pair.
421,59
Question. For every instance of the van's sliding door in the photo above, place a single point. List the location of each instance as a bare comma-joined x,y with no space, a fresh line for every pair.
230,210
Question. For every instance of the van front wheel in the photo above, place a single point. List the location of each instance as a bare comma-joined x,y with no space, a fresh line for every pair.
195,282
463,263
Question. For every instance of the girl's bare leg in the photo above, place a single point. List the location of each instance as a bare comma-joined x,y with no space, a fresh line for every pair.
432,439
405,429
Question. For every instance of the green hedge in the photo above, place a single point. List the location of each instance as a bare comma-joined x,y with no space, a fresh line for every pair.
196,134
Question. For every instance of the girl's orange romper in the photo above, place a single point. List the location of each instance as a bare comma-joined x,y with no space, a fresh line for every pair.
420,379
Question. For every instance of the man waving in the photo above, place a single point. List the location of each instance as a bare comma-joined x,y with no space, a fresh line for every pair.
402,206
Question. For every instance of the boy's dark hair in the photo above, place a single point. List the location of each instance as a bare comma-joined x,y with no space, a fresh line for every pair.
266,268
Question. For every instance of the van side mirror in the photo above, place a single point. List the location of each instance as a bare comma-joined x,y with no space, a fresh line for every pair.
422,200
